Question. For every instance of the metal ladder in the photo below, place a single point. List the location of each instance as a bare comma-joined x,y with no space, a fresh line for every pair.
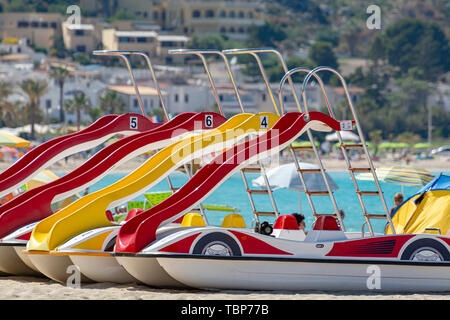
321,170
352,170
312,193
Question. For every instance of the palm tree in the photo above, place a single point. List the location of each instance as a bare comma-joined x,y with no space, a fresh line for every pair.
7,108
78,103
60,75
112,102
34,90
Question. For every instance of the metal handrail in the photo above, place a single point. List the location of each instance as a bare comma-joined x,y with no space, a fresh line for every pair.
361,135
122,54
200,53
288,75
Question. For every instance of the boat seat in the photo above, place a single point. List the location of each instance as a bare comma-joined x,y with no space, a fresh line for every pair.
286,227
325,228
233,220
192,219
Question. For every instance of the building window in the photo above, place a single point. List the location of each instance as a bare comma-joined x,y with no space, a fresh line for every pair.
34,24
53,25
196,14
250,15
263,97
232,14
44,24
48,103
241,30
23,24
223,30
210,14
223,14
232,30
124,39
81,48
141,39
79,32
220,97
155,15
241,14
186,98
135,103
176,97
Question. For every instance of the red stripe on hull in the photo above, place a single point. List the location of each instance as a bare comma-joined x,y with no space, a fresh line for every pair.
379,247
182,246
252,245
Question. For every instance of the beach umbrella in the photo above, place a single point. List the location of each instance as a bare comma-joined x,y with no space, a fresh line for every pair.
345,135
401,175
286,176
422,145
297,144
9,140
337,144
393,145
43,177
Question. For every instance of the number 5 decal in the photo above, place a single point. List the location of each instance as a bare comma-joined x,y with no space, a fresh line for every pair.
133,122
208,121
264,122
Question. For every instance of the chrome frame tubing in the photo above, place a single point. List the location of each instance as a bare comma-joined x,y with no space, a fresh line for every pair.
200,54
123,54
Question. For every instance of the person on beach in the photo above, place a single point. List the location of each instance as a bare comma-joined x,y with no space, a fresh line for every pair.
398,200
300,220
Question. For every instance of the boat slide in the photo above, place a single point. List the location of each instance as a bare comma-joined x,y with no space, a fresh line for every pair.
89,212
58,148
24,211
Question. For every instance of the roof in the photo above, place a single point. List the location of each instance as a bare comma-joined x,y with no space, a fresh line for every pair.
129,90
341,91
80,26
13,57
168,37
136,34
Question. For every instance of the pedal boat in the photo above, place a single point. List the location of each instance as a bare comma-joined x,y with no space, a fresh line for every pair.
325,258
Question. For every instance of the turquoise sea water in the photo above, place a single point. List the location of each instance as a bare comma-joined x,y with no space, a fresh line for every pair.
232,193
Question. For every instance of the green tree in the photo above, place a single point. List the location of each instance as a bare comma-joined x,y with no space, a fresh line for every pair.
8,109
33,90
79,103
267,35
111,102
412,43
60,75
321,54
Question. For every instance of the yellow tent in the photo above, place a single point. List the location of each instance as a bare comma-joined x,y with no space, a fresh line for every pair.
426,211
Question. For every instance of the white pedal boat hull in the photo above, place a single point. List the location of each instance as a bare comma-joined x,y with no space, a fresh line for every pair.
148,271
249,274
102,268
12,261
55,267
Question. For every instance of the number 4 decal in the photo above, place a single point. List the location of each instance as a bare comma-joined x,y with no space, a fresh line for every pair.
208,121
264,121
133,122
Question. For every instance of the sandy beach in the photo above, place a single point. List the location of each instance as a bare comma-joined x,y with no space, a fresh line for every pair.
30,288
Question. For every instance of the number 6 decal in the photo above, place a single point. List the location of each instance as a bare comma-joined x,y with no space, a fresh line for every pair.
133,122
208,121
264,122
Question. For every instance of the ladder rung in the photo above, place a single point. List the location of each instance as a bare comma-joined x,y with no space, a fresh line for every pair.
264,213
195,210
309,170
250,169
375,216
360,169
317,193
257,191
368,193
352,146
